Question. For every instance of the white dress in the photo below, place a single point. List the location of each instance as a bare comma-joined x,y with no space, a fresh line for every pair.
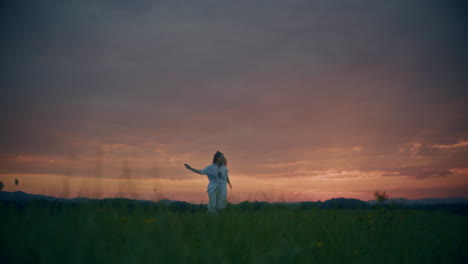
216,189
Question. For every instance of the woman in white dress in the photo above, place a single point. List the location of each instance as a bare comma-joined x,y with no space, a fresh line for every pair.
218,176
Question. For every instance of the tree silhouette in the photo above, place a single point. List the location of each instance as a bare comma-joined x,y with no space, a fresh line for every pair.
16,183
1,185
381,197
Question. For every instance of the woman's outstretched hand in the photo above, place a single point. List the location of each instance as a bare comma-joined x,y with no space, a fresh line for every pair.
188,167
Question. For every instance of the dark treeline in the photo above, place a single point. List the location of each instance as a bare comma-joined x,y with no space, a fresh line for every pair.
56,206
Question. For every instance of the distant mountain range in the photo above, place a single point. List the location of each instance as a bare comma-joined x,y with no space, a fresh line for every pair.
23,197
426,201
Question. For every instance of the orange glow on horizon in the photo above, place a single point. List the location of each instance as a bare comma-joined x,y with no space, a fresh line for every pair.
355,184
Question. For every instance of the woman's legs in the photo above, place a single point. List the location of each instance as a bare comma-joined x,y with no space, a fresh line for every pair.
221,200
212,204
217,201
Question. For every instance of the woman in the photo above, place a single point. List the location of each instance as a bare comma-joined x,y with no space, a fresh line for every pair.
218,176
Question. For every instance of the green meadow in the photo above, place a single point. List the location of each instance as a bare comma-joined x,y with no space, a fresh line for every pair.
124,231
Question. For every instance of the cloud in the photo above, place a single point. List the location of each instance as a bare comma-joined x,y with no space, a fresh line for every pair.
330,174
286,90
461,144
419,173
287,164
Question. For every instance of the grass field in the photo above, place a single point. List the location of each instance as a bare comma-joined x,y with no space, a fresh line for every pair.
120,231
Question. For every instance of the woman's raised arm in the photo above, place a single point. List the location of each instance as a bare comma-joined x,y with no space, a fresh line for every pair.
192,169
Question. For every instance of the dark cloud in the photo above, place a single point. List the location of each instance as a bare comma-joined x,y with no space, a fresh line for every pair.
420,173
267,80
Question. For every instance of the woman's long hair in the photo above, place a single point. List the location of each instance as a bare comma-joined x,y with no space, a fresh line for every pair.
216,155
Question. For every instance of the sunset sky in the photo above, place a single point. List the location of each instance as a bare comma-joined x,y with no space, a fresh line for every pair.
308,100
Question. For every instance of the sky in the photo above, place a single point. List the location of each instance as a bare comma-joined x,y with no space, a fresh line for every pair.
308,100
